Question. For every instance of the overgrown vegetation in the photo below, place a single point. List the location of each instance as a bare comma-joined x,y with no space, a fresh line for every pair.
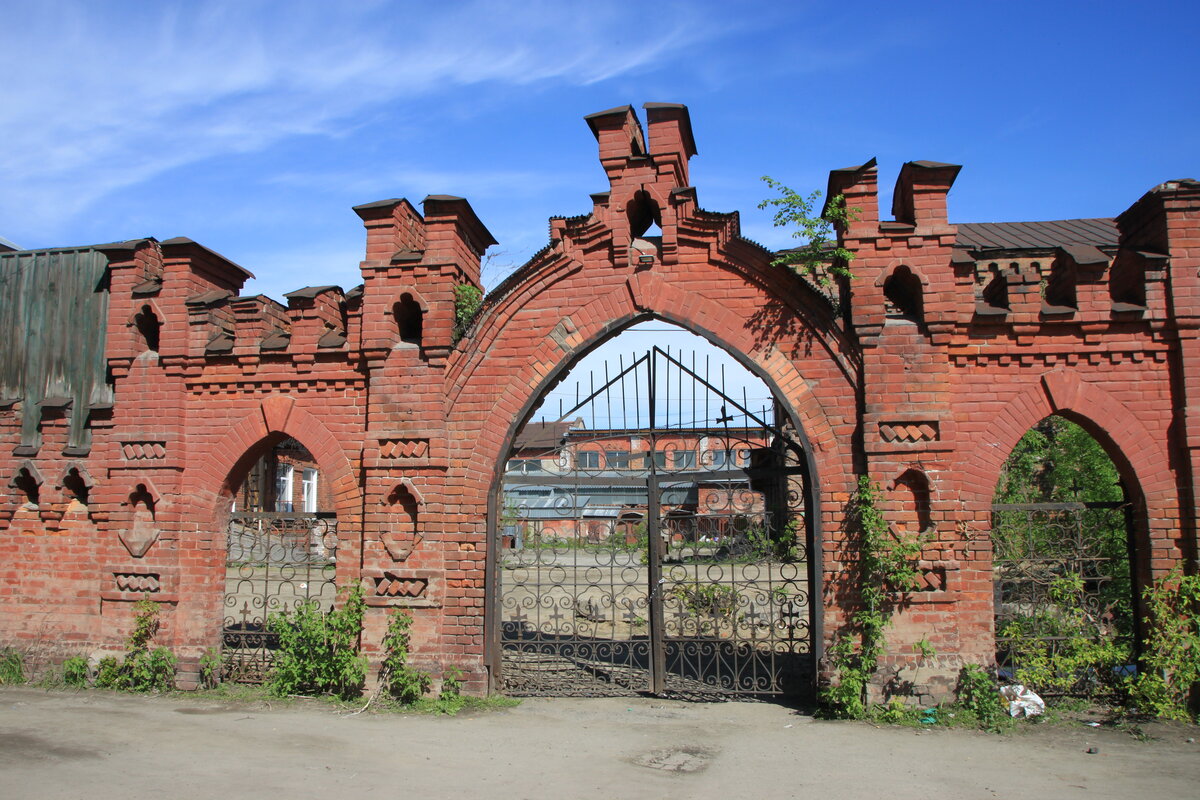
75,672
1057,461
450,699
142,669
318,650
401,682
12,667
779,547
887,564
210,668
708,599
1061,650
468,299
1171,660
818,255
979,699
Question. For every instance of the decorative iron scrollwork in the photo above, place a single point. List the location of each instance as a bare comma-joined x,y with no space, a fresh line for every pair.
274,562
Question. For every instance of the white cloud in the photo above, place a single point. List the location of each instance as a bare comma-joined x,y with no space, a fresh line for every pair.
100,97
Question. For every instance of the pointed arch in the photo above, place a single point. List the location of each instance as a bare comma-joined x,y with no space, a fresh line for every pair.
1138,454
231,455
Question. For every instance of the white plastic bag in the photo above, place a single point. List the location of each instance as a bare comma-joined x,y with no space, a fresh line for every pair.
1022,702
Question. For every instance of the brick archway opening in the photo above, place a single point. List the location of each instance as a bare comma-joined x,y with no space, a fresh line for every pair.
279,536
702,536
1070,555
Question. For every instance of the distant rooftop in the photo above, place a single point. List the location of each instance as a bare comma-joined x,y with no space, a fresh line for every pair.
1036,235
542,435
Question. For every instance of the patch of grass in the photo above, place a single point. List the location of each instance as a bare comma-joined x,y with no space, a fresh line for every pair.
12,667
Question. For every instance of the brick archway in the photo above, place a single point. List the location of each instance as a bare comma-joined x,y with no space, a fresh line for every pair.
1091,319
225,463
570,300
216,474
1140,460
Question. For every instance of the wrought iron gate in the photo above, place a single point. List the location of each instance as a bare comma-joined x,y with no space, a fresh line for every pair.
274,562
1061,571
664,549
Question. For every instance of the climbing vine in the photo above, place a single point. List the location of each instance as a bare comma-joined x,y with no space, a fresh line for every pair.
887,564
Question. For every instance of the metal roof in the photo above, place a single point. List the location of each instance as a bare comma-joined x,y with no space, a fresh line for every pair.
1037,235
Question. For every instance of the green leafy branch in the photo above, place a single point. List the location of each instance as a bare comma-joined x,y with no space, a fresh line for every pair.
818,255
318,650
468,299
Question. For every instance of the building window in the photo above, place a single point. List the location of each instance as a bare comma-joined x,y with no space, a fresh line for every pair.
617,459
588,459
283,487
525,465
308,484
685,459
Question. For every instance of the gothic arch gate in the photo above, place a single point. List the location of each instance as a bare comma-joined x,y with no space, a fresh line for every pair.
652,537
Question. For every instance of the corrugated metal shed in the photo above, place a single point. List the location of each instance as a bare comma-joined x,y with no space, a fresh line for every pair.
53,323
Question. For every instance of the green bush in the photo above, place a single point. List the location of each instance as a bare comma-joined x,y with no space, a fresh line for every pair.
450,700
468,299
210,668
398,679
318,651
708,599
1171,656
75,672
979,697
1061,651
108,673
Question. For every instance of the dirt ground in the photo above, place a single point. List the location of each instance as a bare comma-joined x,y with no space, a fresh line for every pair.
95,745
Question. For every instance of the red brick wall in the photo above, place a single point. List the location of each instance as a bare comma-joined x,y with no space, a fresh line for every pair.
410,437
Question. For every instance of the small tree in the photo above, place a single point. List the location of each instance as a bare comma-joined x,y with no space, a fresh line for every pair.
818,247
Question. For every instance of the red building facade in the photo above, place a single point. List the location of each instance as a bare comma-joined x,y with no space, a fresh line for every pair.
950,342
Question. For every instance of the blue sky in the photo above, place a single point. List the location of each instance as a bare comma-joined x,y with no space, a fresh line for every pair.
253,127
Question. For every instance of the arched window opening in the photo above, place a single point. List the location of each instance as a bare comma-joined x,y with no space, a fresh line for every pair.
643,213
1062,562
76,486
903,296
27,484
995,294
143,504
149,326
1061,286
409,318
910,502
